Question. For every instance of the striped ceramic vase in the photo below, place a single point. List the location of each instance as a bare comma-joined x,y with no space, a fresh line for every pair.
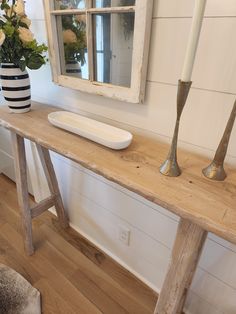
15,88
73,68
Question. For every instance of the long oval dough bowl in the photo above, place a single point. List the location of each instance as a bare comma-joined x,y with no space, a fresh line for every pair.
93,130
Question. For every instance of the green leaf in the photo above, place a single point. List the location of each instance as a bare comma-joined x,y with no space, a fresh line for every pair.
9,30
5,6
23,25
35,62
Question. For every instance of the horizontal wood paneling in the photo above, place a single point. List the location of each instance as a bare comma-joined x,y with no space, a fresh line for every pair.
215,62
214,292
7,164
120,204
226,244
5,144
102,226
184,8
197,305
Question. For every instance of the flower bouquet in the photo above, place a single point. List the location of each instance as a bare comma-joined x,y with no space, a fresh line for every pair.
18,51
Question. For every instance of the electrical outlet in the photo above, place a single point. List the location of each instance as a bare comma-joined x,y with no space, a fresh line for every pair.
124,235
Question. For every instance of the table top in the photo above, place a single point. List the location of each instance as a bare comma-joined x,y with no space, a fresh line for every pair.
210,204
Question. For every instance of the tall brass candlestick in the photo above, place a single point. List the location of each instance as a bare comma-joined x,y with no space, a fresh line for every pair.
170,167
215,170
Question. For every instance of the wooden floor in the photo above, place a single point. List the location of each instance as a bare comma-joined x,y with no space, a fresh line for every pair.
72,275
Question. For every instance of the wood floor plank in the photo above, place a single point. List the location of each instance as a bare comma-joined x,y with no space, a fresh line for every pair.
112,287
92,290
90,278
123,277
7,215
132,285
52,302
62,263
5,183
72,274
59,282
106,297
9,256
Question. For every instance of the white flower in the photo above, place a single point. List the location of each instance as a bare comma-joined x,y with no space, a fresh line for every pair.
2,37
26,36
26,20
19,8
69,37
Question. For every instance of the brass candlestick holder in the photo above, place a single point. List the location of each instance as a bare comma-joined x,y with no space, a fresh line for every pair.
170,167
215,170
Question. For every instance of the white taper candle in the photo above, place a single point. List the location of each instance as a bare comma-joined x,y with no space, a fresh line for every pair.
193,40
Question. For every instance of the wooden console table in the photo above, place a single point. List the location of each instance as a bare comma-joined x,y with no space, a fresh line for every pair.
202,205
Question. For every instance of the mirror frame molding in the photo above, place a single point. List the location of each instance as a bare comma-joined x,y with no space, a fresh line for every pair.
142,29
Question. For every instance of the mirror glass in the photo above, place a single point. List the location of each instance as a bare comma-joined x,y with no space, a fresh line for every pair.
69,4
112,42
113,3
100,46
113,48
72,40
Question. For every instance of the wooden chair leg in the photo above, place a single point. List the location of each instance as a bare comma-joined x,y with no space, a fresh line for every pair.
186,252
18,146
53,185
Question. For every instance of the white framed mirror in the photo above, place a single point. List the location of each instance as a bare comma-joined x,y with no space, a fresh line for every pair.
100,46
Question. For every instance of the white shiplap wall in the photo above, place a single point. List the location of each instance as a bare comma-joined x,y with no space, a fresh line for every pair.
97,207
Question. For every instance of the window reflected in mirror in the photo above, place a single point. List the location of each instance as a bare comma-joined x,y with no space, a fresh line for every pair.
73,39
100,46
69,4
113,45
112,3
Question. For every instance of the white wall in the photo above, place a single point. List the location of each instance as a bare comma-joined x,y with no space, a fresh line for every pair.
97,207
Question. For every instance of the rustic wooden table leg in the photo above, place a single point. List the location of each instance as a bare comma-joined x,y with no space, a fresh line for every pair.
186,252
53,185
18,146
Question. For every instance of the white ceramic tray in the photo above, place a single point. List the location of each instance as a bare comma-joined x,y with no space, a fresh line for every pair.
93,130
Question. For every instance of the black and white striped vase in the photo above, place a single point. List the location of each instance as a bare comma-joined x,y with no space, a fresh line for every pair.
15,88
73,68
